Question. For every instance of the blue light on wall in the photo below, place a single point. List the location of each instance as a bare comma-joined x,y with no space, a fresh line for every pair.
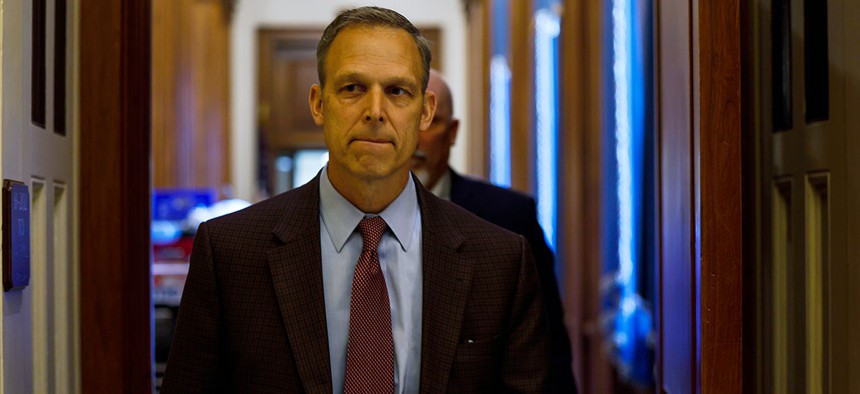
547,29
500,96
626,315
500,126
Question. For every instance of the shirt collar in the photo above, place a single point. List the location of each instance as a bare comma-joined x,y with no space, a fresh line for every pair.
341,218
442,188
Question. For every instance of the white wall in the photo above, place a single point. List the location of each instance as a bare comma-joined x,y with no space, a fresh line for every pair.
249,15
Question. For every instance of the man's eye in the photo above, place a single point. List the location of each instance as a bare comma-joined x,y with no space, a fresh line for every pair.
398,91
351,88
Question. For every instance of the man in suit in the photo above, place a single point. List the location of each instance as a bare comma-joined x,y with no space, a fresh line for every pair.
361,280
503,207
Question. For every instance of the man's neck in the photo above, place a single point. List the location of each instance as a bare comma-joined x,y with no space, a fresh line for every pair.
369,195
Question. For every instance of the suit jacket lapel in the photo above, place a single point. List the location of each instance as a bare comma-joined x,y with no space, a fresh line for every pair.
461,193
297,276
447,277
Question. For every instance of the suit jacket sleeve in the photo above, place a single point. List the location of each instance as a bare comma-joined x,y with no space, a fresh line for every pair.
560,342
195,361
526,365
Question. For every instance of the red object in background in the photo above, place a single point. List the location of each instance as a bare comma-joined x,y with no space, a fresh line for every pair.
169,270
174,252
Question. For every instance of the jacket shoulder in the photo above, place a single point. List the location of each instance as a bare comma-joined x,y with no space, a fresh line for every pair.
464,221
489,194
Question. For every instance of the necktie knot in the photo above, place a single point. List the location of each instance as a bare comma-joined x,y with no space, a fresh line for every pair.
371,230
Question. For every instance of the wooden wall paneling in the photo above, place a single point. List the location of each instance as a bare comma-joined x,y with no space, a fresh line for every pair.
582,53
720,182
209,32
116,351
478,77
522,97
223,91
183,127
198,74
572,213
165,52
191,93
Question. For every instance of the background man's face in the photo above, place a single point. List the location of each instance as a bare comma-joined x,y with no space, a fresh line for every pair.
372,106
434,144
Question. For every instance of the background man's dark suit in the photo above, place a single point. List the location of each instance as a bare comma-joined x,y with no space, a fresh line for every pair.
252,317
517,212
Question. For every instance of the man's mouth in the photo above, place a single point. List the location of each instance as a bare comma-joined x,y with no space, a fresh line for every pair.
372,140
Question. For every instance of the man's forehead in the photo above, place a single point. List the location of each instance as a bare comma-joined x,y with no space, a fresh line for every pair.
357,48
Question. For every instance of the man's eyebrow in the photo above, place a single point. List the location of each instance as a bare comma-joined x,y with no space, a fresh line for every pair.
402,81
349,75
391,81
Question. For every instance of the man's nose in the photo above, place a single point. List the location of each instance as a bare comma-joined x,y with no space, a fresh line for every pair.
374,107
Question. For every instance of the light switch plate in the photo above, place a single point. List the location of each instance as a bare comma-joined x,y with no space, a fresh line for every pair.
16,235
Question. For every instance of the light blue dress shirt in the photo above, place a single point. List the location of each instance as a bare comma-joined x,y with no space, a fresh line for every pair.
400,259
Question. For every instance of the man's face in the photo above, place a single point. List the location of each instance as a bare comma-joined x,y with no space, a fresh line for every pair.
430,161
371,107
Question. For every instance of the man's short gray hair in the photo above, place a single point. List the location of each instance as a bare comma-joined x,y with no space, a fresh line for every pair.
374,17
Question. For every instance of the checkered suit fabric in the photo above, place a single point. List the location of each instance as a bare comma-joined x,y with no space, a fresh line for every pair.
252,317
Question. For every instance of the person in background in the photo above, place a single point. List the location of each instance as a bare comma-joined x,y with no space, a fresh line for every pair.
361,281
503,207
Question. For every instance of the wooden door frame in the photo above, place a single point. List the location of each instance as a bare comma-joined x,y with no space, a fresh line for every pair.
114,195
699,124
720,179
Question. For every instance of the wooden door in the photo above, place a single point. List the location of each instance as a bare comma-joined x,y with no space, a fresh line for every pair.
40,344
805,86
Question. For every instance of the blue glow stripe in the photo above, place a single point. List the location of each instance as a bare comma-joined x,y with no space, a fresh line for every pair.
623,148
500,127
547,29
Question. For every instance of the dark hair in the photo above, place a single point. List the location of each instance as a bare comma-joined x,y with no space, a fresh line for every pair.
372,16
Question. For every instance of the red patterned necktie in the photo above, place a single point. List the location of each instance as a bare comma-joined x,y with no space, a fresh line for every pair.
370,347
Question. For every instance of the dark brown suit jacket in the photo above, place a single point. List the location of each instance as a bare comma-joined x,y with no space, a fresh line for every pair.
517,212
252,317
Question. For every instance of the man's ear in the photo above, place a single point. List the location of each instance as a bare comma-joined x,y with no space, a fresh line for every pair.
428,110
452,131
315,102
